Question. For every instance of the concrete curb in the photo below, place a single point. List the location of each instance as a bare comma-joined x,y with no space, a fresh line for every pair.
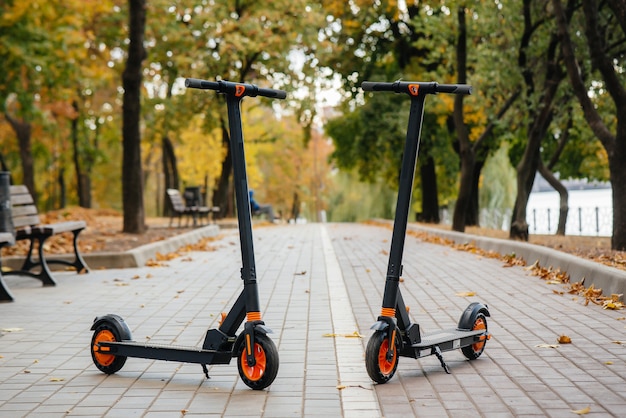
609,279
136,257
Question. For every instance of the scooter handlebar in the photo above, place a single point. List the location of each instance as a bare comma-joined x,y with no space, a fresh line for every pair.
414,88
237,89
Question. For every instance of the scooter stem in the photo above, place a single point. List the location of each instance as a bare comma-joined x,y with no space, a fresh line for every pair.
407,174
242,198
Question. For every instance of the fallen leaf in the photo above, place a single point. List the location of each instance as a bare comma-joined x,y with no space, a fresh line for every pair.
341,387
466,294
12,329
56,379
619,342
547,346
300,273
583,411
355,334
608,363
564,339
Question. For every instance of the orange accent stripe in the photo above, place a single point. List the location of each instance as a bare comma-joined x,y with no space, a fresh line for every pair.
254,316
248,347
390,312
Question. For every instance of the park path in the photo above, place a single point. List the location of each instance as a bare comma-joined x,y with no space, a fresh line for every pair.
320,284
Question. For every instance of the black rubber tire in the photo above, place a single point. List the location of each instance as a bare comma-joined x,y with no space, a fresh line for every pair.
472,352
107,363
378,368
264,372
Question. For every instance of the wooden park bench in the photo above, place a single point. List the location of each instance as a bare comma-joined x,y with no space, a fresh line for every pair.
29,227
6,238
179,209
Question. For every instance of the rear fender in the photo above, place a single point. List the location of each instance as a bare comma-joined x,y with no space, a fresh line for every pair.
116,322
469,315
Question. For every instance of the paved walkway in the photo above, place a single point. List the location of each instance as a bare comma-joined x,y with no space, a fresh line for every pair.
319,284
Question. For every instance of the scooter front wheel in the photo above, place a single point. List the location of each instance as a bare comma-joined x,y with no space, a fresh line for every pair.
472,352
264,371
107,363
380,361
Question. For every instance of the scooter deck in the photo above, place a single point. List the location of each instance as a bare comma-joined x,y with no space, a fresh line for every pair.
166,352
445,340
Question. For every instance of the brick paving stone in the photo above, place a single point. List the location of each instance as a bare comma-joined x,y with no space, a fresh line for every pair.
513,377
318,283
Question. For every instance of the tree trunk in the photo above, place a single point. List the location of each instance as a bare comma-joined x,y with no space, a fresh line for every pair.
170,171
62,189
472,214
540,117
222,194
83,181
618,181
132,175
430,199
23,130
295,207
615,145
466,152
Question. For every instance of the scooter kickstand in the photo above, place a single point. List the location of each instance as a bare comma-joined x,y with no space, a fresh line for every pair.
437,352
206,371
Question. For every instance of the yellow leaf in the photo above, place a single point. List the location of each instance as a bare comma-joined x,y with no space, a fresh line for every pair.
466,294
608,363
56,379
583,411
341,387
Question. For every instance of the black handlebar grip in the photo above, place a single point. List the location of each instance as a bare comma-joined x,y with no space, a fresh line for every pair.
274,94
454,88
195,83
376,86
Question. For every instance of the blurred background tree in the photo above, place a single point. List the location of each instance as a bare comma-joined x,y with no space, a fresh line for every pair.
328,151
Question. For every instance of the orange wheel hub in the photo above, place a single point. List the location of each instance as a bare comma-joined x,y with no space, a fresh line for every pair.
386,367
479,324
256,372
102,358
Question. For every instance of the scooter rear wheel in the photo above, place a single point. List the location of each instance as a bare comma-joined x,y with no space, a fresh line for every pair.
265,369
472,352
107,363
380,367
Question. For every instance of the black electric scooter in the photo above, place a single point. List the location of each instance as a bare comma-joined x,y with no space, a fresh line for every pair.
394,334
257,356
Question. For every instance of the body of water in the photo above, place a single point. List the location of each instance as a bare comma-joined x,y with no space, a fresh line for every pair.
590,212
